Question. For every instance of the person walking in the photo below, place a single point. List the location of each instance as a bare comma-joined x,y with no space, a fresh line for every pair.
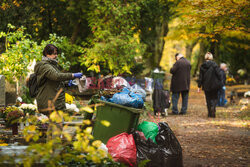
180,83
221,93
210,79
50,80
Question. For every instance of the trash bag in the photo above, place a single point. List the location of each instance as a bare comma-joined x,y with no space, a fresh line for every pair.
128,98
150,129
166,153
119,82
166,139
138,90
122,148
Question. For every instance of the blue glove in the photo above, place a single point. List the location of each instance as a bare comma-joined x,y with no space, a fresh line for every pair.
78,75
70,83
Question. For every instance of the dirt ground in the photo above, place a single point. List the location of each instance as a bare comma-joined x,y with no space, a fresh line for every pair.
211,142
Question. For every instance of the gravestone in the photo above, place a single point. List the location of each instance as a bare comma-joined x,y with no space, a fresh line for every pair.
2,91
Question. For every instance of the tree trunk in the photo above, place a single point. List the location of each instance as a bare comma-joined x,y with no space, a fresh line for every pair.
189,48
201,56
49,21
161,31
75,32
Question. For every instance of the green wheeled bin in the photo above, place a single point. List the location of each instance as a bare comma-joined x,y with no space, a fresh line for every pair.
121,118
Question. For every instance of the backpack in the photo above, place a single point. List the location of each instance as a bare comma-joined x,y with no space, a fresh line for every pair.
32,85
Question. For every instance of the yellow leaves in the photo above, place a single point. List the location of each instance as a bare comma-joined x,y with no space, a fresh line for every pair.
87,109
3,144
32,128
184,36
214,40
88,130
86,122
68,98
36,29
105,123
94,67
16,3
5,6
41,9
30,132
126,68
67,136
136,36
96,159
56,116
97,143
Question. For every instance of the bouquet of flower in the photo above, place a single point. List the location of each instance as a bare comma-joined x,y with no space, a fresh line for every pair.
42,121
230,80
13,115
28,109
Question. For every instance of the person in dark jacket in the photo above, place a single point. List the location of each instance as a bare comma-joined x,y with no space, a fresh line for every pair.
160,98
50,80
180,83
221,93
210,79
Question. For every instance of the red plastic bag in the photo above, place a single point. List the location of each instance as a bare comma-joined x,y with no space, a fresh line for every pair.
122,148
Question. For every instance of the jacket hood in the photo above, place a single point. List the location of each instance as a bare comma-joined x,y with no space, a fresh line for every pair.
40,63
208,64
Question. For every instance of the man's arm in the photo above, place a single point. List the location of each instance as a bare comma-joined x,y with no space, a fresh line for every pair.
174,68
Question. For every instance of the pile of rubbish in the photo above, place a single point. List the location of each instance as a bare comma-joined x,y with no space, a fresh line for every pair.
126,98
152,145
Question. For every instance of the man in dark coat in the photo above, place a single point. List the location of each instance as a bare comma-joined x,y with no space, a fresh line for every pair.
180,83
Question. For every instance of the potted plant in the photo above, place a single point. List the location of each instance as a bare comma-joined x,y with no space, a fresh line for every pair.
13,114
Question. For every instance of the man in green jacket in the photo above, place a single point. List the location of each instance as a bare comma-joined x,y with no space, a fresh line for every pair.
50,80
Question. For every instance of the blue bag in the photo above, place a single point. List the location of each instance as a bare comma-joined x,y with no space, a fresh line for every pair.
126,98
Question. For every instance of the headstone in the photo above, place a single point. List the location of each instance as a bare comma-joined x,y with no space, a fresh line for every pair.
2,91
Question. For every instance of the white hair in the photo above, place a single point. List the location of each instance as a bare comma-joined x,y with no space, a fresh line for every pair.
223,66
179,56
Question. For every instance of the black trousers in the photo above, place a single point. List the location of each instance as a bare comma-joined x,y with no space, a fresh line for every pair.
211,99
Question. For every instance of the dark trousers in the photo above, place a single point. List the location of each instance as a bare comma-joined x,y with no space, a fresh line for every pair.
211,99
175,99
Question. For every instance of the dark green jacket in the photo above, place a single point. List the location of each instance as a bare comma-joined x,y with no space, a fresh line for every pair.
50,80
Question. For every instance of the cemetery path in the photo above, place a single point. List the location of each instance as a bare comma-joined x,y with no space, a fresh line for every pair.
208,142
